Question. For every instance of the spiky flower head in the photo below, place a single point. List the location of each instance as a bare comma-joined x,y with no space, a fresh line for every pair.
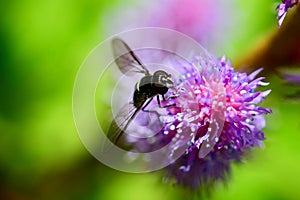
215,117
229,122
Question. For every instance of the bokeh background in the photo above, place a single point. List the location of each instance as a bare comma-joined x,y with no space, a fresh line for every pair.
42,45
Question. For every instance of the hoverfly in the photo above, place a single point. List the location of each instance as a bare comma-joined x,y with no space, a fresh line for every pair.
148,87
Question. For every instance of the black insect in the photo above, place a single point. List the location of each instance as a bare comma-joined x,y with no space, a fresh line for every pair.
145,90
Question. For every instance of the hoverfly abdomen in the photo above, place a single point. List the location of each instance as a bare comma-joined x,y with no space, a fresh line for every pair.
139,98
143,91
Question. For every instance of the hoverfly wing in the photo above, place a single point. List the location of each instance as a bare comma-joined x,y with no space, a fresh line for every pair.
121,122
126,59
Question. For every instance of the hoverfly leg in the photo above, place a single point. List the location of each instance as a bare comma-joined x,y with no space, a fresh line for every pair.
143,108
164,99
158,101
173,96
149,111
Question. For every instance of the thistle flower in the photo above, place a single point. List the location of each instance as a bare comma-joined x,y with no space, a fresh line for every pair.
283,8
215,118
241,130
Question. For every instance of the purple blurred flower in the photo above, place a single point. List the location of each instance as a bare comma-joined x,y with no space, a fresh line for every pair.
292,78
216,119
283,8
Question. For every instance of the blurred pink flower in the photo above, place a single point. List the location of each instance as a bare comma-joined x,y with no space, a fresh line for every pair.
203,20
192,17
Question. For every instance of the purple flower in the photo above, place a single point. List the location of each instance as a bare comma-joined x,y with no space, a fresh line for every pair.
215,118
283,8
292,78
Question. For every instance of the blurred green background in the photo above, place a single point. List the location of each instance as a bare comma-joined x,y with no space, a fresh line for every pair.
43,44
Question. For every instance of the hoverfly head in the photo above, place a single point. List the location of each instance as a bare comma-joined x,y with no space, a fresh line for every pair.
164,78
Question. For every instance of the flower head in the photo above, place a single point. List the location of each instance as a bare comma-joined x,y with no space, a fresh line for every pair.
241,117
283,8
215,118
